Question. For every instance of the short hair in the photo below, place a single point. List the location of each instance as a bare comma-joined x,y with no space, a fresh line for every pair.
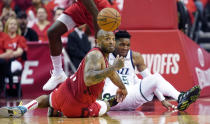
122,34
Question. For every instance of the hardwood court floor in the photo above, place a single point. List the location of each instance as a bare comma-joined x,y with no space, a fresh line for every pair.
150,113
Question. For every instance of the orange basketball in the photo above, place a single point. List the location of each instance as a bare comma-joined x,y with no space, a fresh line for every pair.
109,19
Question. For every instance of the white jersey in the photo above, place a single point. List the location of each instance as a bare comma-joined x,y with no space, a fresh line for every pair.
127,74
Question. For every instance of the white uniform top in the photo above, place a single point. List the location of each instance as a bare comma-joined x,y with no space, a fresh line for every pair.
127,74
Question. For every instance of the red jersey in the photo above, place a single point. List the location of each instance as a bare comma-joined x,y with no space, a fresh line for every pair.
41,33
19,41
78,88
5,42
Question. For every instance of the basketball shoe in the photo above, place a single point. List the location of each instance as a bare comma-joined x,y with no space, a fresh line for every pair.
187,98
15,112
110,99
53,82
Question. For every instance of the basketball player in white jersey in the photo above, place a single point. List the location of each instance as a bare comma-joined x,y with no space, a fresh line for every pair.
142,91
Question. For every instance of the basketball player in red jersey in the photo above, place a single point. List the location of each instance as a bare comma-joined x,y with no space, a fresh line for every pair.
80,12
76,96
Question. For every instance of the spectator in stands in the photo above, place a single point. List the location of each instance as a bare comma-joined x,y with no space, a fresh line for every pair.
32,12
18,44
7,5
53,4
78,45
28,33
5,56
23,4
58,12
184,20
42,24
7,13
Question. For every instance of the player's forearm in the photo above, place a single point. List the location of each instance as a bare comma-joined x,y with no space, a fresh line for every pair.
115,78
94,77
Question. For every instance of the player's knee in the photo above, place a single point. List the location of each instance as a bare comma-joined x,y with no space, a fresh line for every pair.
43,101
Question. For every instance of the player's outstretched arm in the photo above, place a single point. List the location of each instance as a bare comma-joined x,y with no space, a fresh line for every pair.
91,7
121,92
95,68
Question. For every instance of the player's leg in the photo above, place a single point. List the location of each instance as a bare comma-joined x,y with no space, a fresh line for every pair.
62,25
18,111
165,87
184,99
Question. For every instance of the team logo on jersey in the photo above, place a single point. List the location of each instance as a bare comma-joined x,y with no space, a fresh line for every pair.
123,71
123,74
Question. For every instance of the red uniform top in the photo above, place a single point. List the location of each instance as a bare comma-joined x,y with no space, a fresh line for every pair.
78,88
5,42
41,33
19,41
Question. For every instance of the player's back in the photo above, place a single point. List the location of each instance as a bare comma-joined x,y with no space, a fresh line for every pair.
77,85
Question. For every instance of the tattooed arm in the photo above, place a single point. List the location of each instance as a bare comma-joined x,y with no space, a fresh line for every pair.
121,92
95,68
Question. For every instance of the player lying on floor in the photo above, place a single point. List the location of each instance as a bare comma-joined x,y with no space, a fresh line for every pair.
142,91
76,96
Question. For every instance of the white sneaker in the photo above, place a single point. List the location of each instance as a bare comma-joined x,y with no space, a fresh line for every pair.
54,81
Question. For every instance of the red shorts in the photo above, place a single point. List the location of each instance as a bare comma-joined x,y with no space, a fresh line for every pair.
62,100
80,14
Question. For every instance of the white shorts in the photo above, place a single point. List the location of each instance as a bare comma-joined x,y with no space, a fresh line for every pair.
67,20
135,97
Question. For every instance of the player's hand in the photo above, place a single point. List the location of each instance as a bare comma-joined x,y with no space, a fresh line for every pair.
121,94
168,105
118,62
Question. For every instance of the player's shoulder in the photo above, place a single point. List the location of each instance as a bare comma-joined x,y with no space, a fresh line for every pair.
94,55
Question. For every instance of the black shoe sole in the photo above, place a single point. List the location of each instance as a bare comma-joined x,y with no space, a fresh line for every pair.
195,93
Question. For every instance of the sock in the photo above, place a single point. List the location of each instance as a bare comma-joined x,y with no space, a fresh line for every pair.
31,105
57,64
103,108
